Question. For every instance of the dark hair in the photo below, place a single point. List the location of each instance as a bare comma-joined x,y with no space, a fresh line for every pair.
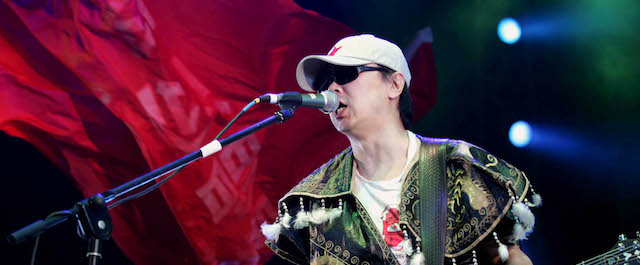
404,105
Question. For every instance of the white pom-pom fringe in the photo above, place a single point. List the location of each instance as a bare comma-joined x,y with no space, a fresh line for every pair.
302,220
407,247
334,213
525,215
518,233
525,223
503,251
286,220
417,259
319,216
536,200
271,231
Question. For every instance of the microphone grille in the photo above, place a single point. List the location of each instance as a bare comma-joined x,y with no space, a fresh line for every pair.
331,101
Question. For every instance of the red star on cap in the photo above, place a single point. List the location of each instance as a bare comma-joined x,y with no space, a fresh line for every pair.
334,50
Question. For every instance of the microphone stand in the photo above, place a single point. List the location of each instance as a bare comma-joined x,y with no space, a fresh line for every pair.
92,214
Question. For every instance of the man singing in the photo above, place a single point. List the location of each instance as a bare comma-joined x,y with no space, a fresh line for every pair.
394,197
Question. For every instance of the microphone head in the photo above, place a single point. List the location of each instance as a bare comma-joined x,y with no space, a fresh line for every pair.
331,101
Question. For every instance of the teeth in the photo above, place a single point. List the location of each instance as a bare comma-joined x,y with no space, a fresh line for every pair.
340,107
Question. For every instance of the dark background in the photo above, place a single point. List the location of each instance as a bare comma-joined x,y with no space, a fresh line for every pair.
574,76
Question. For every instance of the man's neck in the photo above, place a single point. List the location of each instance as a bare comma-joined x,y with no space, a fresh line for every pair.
381,155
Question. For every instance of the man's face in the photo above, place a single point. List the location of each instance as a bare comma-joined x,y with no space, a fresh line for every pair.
363,103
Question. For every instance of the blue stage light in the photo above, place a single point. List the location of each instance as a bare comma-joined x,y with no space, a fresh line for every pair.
520,134
509,30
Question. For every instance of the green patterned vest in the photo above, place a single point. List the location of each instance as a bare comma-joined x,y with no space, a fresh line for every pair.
480,188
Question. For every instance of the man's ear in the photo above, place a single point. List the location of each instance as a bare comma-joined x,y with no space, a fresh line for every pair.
397,85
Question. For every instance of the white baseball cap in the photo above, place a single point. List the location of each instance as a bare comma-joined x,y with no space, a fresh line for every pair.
354,51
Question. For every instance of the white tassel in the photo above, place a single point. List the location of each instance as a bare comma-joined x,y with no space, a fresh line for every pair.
302,220
536,200
525,215
271,231
503,251
319,216
524,222
417,259
334,213
518,233
286,220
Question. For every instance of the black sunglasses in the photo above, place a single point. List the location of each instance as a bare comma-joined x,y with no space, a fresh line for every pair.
340,74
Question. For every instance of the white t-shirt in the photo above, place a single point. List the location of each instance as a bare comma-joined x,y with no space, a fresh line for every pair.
381,199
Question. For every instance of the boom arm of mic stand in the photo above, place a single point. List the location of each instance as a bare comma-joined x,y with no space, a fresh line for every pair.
39,227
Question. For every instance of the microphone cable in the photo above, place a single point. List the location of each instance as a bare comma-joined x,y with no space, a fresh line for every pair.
157,184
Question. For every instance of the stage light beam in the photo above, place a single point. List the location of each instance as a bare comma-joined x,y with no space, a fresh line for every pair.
520,134
509,30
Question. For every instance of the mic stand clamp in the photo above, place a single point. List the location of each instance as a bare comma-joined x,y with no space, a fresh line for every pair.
94,223
285,113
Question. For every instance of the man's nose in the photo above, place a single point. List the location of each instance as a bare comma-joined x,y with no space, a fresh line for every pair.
336,88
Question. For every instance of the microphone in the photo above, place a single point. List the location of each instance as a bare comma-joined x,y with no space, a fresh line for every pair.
327,101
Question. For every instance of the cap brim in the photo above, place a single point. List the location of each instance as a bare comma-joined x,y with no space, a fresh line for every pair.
309,66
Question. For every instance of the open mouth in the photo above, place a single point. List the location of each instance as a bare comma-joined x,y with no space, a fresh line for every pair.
340,108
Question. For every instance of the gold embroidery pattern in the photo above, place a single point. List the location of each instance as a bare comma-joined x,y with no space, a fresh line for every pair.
333,253
478,197
513,171
471,231
409,201
466,225
454,187
492,159
502,172
521,184
331,178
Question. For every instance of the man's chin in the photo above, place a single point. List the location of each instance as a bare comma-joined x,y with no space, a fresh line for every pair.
340,126
343,131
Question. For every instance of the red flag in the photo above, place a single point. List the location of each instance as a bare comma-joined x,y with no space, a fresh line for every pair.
423,70
111,89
